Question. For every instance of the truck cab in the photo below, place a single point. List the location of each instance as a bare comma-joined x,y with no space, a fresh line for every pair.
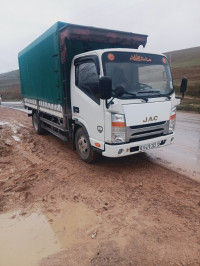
139,111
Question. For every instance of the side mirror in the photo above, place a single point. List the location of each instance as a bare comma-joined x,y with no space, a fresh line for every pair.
183,86
105,84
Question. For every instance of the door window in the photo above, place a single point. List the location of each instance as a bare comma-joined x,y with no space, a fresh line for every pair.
87,80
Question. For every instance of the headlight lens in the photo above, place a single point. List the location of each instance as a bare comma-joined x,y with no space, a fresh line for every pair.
118,128
172,121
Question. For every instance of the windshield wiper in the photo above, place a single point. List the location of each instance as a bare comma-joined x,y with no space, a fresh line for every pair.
149,92
135,96
120,91
129,93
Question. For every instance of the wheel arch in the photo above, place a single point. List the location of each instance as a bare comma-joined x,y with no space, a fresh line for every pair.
78,125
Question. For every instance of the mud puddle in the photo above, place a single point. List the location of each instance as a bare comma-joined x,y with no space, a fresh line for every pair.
75,224
25,240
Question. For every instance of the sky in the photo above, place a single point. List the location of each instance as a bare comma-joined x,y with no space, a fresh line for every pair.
170,24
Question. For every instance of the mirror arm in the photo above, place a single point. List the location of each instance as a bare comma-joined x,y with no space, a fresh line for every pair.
110,102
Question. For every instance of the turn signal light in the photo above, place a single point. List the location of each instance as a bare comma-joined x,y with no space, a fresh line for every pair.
118,128
172,117
97,145
118,124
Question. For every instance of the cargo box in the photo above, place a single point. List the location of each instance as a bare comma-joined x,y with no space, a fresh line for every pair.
45,63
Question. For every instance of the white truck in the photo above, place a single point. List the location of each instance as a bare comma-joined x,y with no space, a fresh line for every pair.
111,98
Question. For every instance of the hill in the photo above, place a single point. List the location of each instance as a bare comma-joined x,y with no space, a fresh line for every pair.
186,63
9,79
10,86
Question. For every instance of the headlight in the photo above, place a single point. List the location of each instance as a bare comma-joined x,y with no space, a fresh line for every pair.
172,121
118,128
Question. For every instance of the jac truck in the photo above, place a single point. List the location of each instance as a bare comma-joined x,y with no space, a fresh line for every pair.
95,87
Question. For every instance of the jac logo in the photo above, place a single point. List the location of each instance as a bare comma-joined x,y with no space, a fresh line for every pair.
150,119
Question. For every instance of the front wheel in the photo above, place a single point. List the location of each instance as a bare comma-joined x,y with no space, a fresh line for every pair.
83,146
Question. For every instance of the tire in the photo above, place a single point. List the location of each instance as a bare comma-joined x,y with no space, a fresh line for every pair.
83,146
37,124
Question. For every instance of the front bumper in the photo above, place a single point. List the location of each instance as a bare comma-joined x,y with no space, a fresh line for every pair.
133,147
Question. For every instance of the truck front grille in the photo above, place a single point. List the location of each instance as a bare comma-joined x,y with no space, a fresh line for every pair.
149,125
149,131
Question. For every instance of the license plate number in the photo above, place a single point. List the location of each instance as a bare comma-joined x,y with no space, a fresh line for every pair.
149,146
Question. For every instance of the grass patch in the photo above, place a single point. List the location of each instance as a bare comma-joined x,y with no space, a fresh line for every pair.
192,90
190,105
11,93
184,58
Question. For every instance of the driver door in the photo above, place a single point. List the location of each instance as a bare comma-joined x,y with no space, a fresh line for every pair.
87,107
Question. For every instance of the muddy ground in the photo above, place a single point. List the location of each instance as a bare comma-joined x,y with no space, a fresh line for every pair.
126,211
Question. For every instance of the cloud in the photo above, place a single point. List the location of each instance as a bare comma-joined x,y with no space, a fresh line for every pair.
171,25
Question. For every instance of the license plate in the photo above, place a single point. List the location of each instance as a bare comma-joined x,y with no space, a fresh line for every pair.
149,146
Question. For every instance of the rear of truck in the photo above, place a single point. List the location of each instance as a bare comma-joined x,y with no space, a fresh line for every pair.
41,73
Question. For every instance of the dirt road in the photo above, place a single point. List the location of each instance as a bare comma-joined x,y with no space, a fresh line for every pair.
57,210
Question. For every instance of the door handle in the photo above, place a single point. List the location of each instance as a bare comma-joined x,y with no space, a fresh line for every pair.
75,109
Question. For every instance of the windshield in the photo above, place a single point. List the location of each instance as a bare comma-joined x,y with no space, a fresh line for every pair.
141,75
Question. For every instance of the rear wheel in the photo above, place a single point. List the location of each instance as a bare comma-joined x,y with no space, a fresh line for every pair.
37,124
83,146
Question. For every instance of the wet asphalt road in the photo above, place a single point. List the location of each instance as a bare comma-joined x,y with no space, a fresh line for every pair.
183,155
14,105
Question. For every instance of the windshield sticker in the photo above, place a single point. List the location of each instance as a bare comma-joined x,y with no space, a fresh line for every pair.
164,60
111,57
139,58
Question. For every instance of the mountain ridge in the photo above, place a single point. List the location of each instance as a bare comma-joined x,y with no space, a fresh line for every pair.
184,63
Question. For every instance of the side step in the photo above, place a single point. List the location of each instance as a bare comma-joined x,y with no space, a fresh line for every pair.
54,133
53,124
